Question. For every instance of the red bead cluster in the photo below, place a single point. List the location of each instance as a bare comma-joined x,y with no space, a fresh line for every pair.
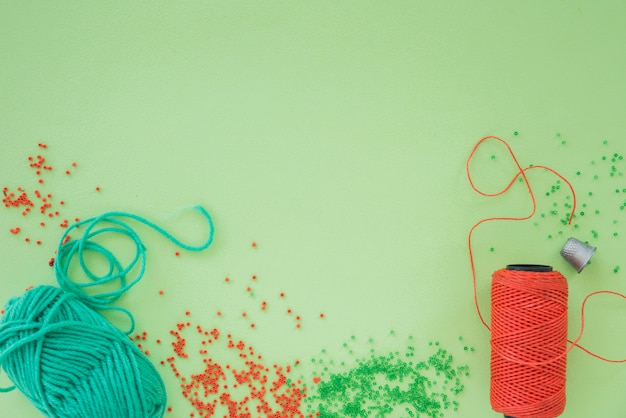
26,202
9,200
228,378
253,388
39,165
141,337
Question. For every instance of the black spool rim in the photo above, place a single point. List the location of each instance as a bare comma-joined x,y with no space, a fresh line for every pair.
537,268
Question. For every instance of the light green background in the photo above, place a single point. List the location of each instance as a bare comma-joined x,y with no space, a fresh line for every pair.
335,135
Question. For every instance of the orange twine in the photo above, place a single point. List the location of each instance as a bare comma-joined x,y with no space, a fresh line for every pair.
528,342
529,323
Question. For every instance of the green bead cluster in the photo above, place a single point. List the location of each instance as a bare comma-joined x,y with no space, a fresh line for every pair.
604,175
395,383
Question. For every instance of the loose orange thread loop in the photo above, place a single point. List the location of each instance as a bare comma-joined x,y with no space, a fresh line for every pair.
520,172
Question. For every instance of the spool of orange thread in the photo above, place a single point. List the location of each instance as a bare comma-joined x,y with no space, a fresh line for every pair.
528,341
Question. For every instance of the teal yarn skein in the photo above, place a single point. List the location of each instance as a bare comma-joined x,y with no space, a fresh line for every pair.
69,361
63,355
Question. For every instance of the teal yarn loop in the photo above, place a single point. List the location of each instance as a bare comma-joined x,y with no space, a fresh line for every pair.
78,248
63,355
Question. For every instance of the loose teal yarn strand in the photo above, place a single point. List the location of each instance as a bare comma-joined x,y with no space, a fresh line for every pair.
63,355
67,251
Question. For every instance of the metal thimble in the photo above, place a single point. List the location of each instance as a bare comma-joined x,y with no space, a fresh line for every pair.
577,253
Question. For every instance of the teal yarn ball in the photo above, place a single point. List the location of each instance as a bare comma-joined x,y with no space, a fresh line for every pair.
70,362
62,354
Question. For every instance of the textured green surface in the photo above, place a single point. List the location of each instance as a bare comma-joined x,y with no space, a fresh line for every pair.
333,134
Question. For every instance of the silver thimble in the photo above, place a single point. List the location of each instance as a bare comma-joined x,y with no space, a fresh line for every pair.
577,253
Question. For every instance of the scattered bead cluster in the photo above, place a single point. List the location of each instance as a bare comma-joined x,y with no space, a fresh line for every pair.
26,202
234,381
264,305
605,174
388,385
245,386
